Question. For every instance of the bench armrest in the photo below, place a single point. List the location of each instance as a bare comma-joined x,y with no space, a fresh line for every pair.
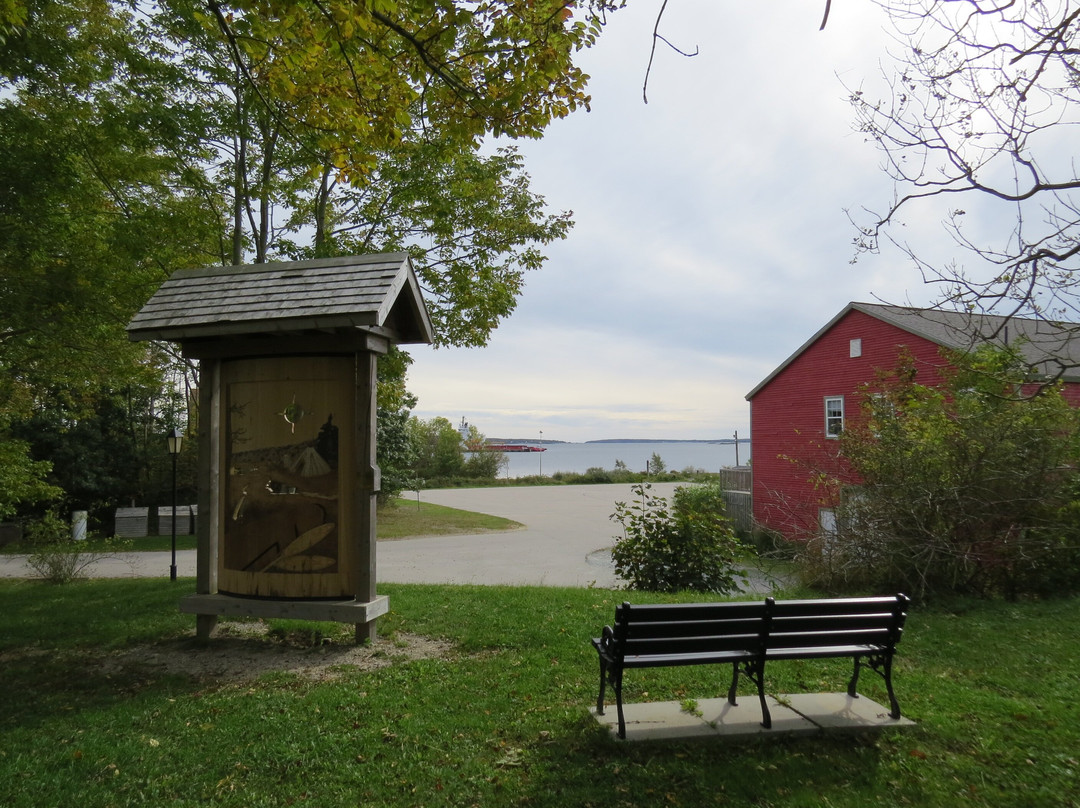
605,644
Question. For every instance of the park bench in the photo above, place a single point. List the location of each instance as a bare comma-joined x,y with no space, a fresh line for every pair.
749,634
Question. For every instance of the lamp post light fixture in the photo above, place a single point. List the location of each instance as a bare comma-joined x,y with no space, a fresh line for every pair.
175,442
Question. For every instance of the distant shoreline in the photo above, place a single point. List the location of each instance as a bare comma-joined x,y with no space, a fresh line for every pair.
662,440
725,441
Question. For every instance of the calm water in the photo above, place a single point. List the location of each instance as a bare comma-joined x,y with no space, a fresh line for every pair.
579,457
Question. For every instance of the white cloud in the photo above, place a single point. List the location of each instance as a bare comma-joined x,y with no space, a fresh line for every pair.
711,238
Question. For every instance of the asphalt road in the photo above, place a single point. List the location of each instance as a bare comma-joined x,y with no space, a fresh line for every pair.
564,543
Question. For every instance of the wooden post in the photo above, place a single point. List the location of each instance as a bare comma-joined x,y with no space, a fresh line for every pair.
367,488
208,525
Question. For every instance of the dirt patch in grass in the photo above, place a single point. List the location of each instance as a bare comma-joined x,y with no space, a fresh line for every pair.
240,651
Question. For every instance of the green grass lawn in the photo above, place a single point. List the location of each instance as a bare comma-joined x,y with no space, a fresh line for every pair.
401,518
404,518
503,720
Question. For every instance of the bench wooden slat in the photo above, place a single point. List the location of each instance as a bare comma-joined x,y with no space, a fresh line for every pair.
821,651
810,639
675,660
690,645
780,623
838,606
693,628
674,612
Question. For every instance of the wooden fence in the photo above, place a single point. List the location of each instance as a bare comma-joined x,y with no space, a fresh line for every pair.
736,483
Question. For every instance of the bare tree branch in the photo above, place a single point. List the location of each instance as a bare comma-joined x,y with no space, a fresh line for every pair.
657,36
980,107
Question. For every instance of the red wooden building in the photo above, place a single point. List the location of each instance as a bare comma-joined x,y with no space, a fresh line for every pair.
798,410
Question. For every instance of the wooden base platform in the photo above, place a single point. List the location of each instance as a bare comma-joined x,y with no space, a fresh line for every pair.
362,613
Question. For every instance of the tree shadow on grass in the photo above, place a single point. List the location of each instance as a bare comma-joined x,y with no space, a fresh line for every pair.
589,766
40,686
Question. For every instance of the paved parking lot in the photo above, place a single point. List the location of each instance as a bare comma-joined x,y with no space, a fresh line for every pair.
564,542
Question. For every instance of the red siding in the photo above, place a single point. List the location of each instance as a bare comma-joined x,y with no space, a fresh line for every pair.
1070,392
787,416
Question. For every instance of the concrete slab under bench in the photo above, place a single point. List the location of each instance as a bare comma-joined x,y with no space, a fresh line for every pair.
792,715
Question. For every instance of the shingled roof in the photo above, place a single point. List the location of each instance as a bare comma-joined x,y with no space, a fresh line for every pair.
378,293
1049,348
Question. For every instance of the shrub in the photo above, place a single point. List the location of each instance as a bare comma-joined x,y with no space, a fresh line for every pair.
55,557
969,488
484,465
596,474
688,547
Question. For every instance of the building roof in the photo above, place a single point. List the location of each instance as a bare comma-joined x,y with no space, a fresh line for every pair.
378,293
1051,349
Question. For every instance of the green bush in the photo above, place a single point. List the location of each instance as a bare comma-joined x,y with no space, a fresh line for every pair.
690,546
970,488
484,465
596,474
55,557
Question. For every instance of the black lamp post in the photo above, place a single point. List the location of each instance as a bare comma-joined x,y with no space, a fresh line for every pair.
176,441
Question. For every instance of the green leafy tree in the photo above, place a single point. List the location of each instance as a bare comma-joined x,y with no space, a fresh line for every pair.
469,221
689,546
966,487
95,211
438,449
142,138
347,128
108,450
358,76
482,463
394,451
22,479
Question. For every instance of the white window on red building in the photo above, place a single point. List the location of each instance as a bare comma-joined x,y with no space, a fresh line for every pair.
834,416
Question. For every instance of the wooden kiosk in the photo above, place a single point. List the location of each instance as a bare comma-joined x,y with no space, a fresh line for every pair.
286,428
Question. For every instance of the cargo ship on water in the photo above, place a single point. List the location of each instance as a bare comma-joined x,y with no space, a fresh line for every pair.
498,446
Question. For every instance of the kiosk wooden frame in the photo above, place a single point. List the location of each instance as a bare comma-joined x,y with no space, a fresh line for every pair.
286,429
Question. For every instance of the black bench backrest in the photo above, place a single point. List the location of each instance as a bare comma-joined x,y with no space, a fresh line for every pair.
696,628
837,621
679,628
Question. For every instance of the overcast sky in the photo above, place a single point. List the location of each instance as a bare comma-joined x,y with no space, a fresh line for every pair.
711,237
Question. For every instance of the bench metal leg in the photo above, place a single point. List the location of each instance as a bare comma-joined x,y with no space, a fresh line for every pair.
766,719
854,680
754,670
611,673
603,683
617,684
734,684
894,705
881,664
